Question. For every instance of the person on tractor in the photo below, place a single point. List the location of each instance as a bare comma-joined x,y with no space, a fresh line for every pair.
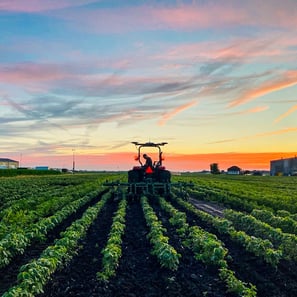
148,162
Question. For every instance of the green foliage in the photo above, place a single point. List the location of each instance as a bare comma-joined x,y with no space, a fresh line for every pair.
284,222
166,254
287,243
214,168
34,275
256,245
17,172
15,243
113,250
237,286
206,247
245,193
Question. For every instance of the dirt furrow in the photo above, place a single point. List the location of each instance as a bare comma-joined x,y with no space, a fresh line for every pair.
250,268
78,278
8,274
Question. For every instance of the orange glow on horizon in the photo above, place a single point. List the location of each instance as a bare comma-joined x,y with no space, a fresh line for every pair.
175,162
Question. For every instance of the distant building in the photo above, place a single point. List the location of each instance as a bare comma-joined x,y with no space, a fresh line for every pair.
8,163
284,166
41,167
233,170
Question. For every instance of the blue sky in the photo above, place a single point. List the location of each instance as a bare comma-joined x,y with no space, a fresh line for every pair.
208,77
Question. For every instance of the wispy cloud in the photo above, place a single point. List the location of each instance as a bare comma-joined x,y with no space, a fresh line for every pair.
185,17
256,109
264,134
277,132
83,72
40,6
287,113
287,79
174,112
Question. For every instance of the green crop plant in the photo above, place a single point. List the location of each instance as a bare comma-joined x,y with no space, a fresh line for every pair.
34,275
113,250
258,246
166,254
209,250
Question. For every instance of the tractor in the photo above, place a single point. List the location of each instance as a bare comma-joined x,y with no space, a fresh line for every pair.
150,178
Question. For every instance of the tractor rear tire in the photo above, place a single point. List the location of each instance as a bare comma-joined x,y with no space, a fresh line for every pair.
164,176
133,176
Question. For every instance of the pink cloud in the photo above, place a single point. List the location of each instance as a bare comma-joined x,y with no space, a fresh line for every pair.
175,111
28,72
184,17
288,79
187,17
39,6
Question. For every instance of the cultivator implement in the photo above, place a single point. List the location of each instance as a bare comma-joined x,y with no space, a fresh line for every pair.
135,190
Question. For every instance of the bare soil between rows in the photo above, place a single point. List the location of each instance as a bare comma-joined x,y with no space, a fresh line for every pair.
8,274
270,282
140,274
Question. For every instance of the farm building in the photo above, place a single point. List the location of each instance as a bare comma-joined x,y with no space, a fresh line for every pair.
284,166
233,170
8,163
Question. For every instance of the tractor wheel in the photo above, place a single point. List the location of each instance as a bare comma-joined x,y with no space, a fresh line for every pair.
164,176
133,176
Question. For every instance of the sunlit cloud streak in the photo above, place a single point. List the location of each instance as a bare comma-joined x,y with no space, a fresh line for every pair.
287,79
166,117
277,132
264,134
256,109
286,114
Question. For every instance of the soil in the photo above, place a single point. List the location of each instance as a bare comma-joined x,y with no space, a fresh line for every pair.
140,274
8,274
209,207
270,282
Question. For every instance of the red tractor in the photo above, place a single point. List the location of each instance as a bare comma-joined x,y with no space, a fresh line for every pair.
151,177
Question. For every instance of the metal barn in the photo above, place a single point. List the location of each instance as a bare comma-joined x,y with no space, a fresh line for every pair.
284,166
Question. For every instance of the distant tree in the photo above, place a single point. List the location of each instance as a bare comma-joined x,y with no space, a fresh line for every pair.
214,168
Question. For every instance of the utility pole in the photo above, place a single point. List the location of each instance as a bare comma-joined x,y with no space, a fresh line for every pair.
73,161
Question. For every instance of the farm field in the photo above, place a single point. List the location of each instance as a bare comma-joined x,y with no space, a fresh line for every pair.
69,235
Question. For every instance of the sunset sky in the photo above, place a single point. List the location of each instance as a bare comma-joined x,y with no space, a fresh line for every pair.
82,79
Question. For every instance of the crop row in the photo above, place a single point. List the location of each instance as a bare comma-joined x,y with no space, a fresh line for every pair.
283,219
34,275
166,254
246,192
15,243
113,250
17,192
286,242
22,213
206,248
260,247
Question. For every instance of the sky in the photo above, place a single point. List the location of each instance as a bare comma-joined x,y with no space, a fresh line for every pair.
81,79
